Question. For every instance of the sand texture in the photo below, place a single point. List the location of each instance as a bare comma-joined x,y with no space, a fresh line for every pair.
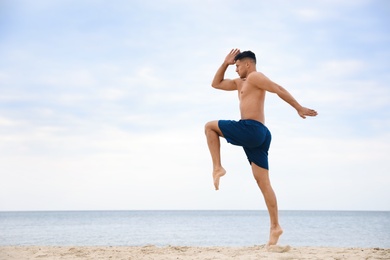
184,252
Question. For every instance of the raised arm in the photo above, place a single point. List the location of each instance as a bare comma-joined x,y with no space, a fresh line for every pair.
219,81
261,81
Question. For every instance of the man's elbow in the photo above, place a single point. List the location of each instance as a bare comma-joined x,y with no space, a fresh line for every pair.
214,85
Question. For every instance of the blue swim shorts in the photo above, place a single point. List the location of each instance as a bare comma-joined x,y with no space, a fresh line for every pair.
252,135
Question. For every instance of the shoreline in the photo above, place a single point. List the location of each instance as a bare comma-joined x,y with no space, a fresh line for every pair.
187,252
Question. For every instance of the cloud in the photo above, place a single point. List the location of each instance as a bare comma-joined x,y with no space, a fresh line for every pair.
343,68
103,104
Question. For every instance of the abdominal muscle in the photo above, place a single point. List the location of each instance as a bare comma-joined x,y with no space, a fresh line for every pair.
254,113
252,103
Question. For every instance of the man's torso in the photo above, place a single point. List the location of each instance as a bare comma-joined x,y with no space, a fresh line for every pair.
251,100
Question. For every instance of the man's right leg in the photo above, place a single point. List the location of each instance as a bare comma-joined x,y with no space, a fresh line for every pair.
213,133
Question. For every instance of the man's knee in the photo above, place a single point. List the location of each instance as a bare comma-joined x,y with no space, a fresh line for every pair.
207,127
212,126
261,175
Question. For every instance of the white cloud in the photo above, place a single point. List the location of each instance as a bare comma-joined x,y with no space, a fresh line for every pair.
4,122
345,68
310,14
109,114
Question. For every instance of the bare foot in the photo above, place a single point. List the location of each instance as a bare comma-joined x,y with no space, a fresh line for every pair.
278,249
218,173
274,235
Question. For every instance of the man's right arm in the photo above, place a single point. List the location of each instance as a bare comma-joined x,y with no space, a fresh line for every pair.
219,82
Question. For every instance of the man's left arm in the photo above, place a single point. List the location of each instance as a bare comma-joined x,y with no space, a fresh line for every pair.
286,96
270,86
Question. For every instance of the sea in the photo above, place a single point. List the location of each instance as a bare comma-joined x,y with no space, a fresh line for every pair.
235,228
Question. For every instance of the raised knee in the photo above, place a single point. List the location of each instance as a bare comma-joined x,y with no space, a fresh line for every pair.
212,127
208,127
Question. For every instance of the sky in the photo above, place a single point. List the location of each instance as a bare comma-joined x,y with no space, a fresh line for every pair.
103,103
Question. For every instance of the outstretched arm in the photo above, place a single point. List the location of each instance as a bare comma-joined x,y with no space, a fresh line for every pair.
263,82
286,96
219,82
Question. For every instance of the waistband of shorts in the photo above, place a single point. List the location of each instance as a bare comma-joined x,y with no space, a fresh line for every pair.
252,122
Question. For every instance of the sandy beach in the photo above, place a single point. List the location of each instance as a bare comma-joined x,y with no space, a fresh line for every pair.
184,252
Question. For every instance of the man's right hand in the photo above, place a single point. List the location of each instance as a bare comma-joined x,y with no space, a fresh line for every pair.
229,60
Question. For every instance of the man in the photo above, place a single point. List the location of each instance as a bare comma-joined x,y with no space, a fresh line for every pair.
250,132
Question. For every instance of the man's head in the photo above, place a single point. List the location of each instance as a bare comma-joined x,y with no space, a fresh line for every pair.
245,63
246,55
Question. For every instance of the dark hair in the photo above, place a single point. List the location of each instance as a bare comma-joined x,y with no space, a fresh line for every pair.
244,55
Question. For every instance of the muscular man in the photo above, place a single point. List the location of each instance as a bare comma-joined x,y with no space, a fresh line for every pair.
249,132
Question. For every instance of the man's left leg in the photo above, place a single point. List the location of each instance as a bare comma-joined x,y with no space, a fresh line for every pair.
262,178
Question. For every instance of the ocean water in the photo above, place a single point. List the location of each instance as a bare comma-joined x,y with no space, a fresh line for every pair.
194,228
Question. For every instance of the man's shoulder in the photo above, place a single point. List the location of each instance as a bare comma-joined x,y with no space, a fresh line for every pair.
256,74
238,81
256,77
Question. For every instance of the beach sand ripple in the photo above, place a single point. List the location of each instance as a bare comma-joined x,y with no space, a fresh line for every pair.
185,252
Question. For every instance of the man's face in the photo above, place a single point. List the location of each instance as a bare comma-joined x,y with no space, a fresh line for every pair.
241,68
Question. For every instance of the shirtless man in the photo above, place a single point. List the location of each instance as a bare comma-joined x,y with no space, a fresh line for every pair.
250,132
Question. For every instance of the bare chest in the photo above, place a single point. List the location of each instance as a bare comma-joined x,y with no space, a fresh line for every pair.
245,90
